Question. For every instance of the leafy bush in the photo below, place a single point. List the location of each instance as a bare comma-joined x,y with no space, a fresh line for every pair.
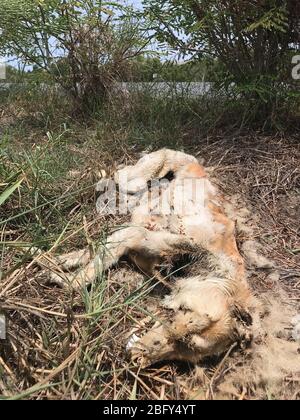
253,40
84,46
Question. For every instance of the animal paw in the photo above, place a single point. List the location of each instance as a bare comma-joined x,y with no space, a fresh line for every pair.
153,347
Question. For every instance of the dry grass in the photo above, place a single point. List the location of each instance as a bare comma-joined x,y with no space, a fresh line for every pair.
65,345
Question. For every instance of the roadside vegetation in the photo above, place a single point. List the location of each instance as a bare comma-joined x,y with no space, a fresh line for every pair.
64,120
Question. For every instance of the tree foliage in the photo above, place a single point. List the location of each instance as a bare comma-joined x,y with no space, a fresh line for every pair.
85,45
149,69
252,39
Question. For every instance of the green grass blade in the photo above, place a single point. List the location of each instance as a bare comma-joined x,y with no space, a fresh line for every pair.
9,191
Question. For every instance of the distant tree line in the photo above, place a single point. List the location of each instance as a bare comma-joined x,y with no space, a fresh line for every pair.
86,46
141,69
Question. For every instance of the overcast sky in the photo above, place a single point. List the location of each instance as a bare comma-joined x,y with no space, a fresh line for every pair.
137,2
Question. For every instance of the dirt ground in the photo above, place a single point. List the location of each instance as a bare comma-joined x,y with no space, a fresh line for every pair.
65,345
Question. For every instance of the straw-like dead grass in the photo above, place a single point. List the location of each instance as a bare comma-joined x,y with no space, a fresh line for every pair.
65,345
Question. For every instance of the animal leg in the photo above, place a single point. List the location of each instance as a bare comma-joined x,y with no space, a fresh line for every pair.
63,264
117,245
225,250
149,246
74,259
153,347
